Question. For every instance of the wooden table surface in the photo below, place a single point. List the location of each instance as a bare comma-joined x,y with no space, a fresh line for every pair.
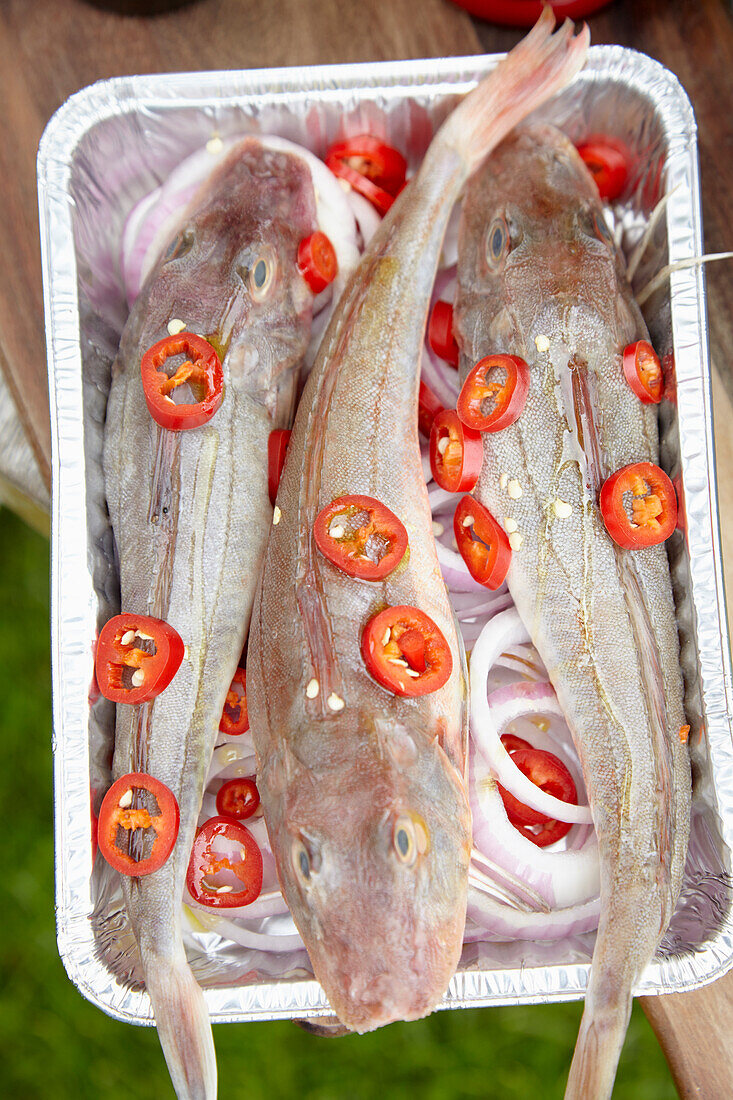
51,48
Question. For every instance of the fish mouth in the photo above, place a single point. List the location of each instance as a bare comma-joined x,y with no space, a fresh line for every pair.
407,987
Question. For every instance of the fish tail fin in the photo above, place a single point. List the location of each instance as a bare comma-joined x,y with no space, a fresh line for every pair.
184,1027
600,1040
538,67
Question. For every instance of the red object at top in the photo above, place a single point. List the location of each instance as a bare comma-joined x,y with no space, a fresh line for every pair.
524,13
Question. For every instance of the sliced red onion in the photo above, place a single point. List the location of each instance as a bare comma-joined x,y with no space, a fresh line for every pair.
444,287
507,629
500,601
270,904
367,217
489,876
229,758
455,572
440,499
562,878
441,378
515,924
137,233
261,941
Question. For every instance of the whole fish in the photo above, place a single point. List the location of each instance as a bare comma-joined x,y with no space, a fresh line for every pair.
190,514
539,277
362,789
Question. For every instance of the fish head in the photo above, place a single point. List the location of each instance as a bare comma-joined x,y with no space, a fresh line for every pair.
536,251
373,855
231,272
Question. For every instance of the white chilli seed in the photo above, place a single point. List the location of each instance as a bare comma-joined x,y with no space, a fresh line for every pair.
443,445
145,637
224,889
386,636
337,532
542,343
514,489
411,672
312,688
276,516
335,701
242,854
561,508
510,524
176,325
128,637
126,799
229,754
138,678
214,145
503,480
438,528
468,521
397,661
516,540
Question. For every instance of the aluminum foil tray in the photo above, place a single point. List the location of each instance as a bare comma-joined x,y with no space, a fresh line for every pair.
112,143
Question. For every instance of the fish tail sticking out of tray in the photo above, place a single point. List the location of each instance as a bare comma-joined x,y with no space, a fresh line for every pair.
363,786
540,278
190,513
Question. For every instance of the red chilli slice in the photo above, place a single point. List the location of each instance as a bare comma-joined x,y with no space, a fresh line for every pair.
440,333
234,718
456,453
201,372
549,774
482,543
380,199
361,536
420,665
118,812
643,372
317,261
372,158
225,869
607,163
428,408
490,404
136,658
277,449
651,502
238,798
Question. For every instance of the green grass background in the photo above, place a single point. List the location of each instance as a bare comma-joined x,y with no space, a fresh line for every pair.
53,1044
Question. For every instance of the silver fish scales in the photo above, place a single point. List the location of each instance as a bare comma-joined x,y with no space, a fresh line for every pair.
539,277
190,514
363,791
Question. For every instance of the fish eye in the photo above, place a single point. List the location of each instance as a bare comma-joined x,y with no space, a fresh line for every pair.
304,863
593,224
180,245
260,277
496,241
409,838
